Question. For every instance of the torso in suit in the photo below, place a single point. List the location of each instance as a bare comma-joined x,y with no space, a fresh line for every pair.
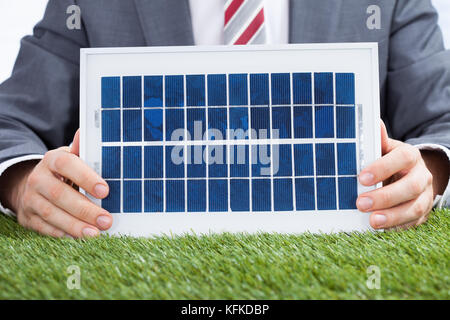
39,103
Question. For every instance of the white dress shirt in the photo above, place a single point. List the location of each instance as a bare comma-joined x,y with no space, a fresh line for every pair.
207,23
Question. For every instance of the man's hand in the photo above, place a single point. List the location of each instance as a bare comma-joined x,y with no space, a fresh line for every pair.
406,198
44,202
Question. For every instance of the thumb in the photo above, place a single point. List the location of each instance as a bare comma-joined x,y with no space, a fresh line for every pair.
384,139
75,147
387,144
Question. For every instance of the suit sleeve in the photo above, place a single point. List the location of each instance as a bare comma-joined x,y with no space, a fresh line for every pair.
39,102
418,87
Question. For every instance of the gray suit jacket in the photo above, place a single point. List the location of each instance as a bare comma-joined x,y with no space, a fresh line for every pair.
39,103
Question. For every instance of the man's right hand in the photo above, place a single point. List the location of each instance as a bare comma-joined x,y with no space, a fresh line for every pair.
43,201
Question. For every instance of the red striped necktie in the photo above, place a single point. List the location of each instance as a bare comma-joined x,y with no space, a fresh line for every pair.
244,22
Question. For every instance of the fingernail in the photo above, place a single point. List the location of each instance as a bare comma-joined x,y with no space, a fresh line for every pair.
366,178
101,190
379,220
90,232
364,203
104,222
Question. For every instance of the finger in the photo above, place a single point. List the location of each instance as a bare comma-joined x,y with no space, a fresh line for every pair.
62,220
401,158
36,223
73,202
402,214
75,148
387,144
384,139
73,168
407,188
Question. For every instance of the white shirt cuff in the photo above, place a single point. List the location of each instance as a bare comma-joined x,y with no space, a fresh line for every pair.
441,200
9,163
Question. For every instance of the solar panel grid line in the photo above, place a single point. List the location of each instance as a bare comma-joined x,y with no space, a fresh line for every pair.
335,144
313,101
143,191
271,145
230,142
207,165
163,96
184,149
227,147
121,147
291,92
250,138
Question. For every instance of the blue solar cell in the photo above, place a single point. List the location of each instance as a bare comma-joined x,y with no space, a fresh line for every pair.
281,121
239,161
111,162
132,162
326,193
112,202
304,194
196,195
345,88
172,192
110,92
132,125
301,85
110,125
132,92
217,161
174,124
174,91
153,162
303,159
217,90
325,159
261,160
348,192
281,88
132,192
196,123
345,122
260,121
282,193
324,122
238,93
218,195
174,161
153,125
259,89
346,156
323,88
303,127
195,90
239,195
153,196
153,91
175,196
261,195
217,123
282,160
196,167
239,123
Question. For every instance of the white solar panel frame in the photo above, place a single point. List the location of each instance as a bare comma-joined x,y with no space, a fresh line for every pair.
358,58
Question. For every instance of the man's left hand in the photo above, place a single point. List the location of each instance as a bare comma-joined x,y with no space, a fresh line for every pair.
406,198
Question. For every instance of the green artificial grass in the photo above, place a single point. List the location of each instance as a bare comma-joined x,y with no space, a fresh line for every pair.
414,264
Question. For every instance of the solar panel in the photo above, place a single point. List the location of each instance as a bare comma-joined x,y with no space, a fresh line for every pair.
194,141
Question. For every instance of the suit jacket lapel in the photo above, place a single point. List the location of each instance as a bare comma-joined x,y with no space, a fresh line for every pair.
165,22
